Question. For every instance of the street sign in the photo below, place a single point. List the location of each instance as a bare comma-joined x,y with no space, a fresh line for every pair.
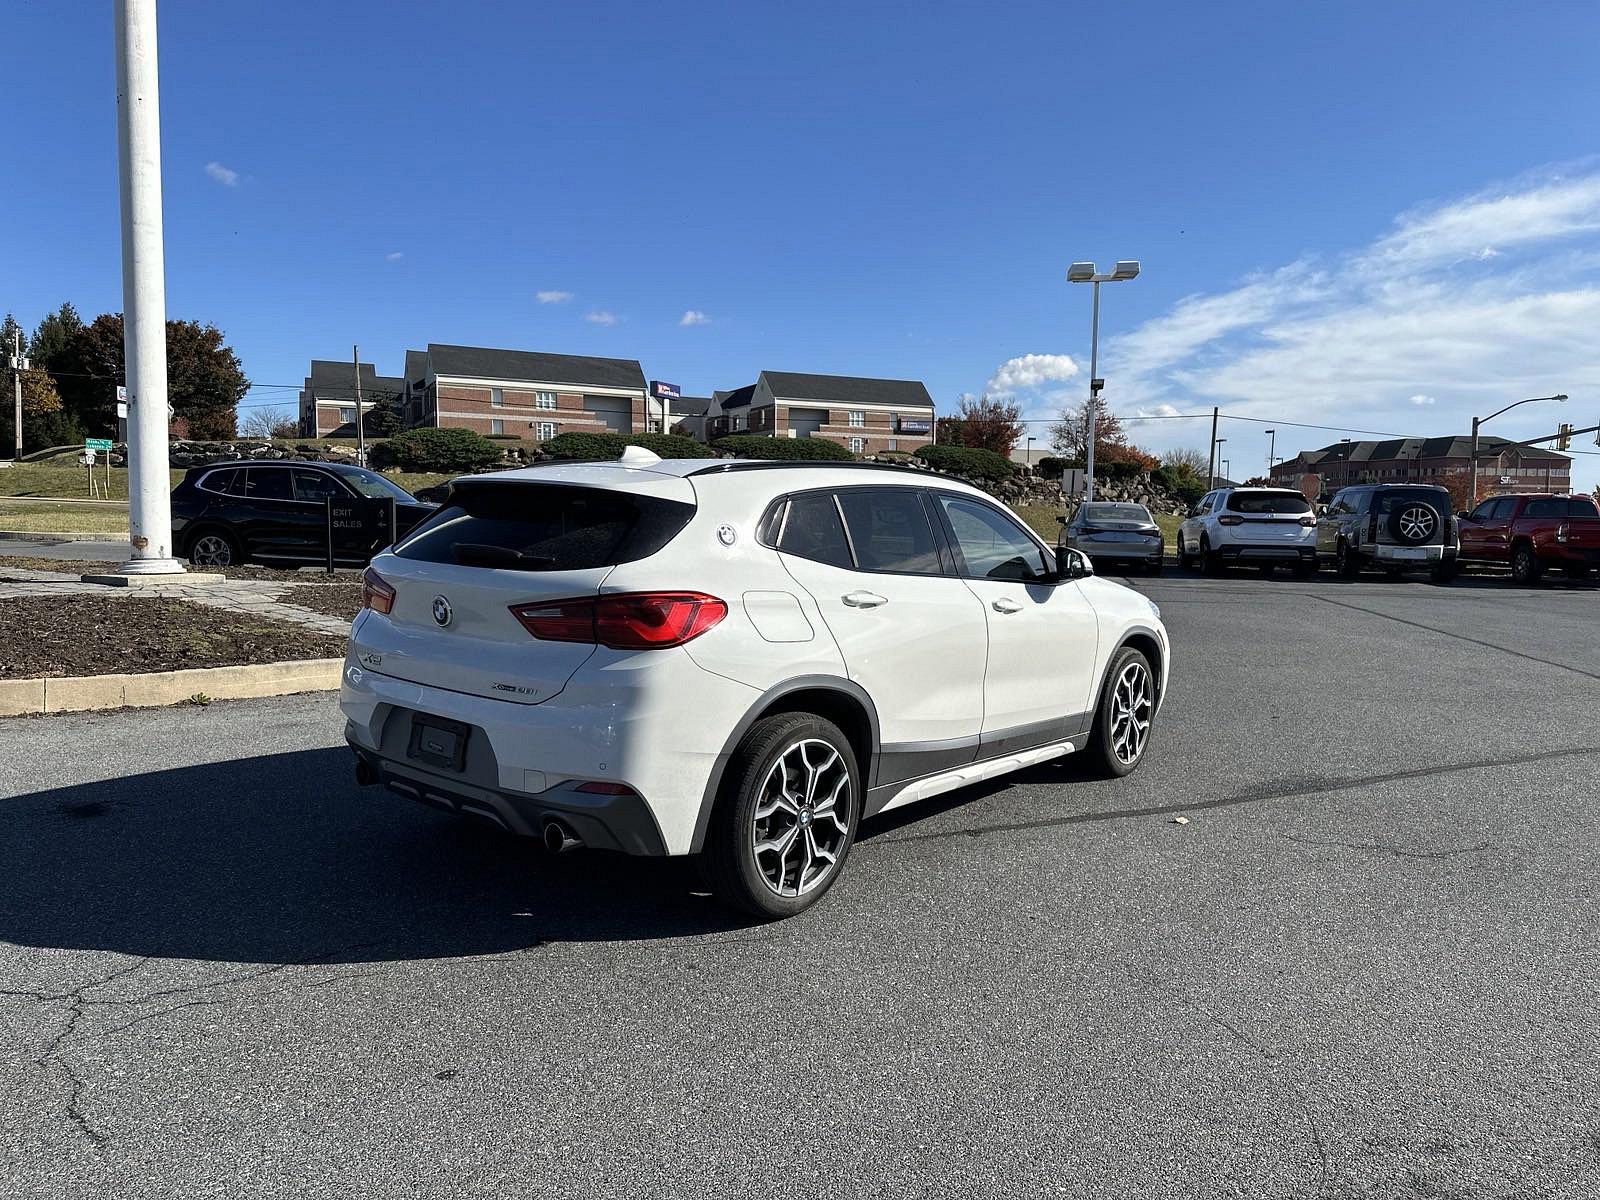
97,443
358,528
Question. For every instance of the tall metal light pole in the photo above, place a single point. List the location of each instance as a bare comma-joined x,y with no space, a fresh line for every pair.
1272,451
1479,421
1085,272
1027,453
1226,471
1215,458
144,299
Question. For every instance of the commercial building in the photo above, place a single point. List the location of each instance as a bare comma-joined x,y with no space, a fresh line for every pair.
866,416
1502,466
328,397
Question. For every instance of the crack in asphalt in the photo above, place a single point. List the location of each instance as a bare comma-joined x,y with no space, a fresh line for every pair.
1460,637
1272,791
1397,851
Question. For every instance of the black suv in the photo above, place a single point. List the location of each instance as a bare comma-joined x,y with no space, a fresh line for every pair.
225,513
1393,526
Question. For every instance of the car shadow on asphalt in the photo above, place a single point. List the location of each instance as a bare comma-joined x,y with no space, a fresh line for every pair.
283,859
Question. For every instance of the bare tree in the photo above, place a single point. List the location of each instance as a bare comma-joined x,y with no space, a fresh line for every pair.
1186,460
1070,435
267,422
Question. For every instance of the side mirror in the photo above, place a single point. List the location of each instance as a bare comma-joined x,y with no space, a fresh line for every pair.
1322,510
1464,515
1074,564
1061,518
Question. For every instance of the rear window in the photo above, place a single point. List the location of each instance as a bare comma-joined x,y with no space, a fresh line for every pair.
1581,506
545,527
1561,506
1290,503
1115,512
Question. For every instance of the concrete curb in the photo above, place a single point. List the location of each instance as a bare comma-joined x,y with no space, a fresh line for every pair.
53,539
22,697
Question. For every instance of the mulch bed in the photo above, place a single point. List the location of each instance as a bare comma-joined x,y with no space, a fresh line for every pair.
104,635
338,599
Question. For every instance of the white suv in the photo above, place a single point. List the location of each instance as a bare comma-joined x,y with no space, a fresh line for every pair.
1258,526
739,660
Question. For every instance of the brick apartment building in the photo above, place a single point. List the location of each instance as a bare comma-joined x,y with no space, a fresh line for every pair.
527,393
866,416
1502,467
328,397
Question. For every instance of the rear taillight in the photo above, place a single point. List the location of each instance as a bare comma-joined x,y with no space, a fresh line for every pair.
1230,519
1562,530
627,621
376,593
1309,521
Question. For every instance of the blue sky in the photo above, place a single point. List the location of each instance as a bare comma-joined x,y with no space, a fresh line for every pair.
1379,216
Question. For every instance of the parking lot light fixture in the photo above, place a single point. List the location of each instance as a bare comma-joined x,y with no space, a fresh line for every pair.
1272,452
1479,422
1211,466
1086,272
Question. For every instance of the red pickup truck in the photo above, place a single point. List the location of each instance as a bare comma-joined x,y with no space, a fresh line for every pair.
1530,533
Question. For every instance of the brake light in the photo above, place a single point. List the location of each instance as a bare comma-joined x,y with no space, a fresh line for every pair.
626,621
601,787
1230,519
1309,521
376,593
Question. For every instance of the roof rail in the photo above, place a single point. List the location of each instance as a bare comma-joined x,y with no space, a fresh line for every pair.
783,463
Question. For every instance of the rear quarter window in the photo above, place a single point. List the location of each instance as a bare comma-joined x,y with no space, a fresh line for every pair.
545,527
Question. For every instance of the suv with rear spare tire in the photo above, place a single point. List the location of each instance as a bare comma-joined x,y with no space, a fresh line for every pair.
738,661
1391,527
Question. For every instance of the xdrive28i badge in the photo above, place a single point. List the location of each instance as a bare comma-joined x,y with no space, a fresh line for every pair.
442,612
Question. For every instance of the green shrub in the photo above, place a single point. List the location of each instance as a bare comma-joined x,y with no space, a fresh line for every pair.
968,461
748,445
436,450
601,447
1050,467
1117,470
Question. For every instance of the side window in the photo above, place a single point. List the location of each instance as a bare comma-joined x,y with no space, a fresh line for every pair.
1582,506
811,529
267,483
1484,511
314,485
1545,508
1503,508
993,545
889,531
221,482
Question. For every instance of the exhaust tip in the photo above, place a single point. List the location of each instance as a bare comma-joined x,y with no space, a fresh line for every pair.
558,839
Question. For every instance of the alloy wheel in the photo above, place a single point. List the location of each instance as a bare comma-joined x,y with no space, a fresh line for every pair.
1132,706
212,550
802,817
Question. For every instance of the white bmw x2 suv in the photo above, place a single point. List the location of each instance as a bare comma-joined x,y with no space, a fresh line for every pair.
738,660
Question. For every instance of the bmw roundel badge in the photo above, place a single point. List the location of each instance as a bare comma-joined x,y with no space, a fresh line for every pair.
442,612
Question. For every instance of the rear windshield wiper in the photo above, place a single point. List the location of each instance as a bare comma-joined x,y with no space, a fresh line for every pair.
475,554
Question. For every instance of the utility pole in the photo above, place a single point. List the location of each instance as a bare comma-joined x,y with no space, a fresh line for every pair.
1272,451
18,366
1211,459
361,429
144,297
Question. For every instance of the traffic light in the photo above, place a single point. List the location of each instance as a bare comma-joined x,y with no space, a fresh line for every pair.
1564,435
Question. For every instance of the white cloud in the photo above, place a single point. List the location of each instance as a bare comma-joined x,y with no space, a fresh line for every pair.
552,297
394,256
601,317
694,317
221,174
1029,371
1456,310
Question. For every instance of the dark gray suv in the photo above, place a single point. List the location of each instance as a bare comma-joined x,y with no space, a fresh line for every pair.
1394,527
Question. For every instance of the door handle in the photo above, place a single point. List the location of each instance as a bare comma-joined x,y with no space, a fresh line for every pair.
1006,605
864,599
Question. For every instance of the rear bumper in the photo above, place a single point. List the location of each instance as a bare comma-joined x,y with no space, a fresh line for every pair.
1121,551
636,723
1267,553
1412,555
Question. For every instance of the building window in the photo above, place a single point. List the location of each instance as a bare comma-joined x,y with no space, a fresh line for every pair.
893,445
858,420
497,426
652,426
857,445
546,430
497,397
544,400
738,423
347,416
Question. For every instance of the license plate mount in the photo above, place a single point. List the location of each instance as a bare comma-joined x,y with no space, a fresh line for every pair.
439,742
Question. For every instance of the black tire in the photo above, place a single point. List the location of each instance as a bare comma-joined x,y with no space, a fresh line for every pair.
1210,560
1184,560
1154,566
737,873
1526,568
1103,752
214,547
1443,573
1304,569
1346,563
1578,571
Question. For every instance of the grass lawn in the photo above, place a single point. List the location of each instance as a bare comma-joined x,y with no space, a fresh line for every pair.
63,518
63,478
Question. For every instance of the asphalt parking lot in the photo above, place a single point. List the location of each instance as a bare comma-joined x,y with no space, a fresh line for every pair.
1365,966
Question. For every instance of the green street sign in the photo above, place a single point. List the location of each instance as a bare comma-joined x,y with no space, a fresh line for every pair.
97,443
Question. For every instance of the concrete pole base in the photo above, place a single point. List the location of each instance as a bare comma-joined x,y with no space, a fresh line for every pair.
153,566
